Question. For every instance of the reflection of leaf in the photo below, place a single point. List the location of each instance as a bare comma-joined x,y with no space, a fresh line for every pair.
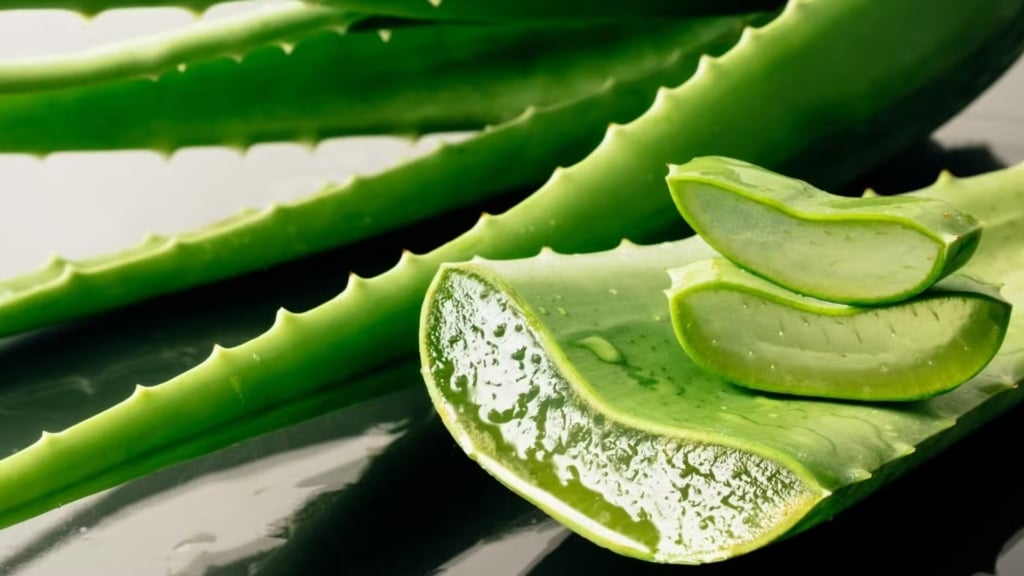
365,426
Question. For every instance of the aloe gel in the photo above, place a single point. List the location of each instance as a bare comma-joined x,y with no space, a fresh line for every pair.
851,250
760,335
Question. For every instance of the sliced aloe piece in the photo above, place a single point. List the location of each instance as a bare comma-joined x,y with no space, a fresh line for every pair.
759,335
819,244
561,376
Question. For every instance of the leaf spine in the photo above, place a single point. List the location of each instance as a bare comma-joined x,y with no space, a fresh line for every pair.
944,178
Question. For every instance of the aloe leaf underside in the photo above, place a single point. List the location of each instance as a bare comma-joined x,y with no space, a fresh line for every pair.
561,375
804,61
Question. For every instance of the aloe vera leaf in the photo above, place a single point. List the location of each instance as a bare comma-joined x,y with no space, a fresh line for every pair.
562,377
93,7
505,10
406,85
453,10
413,191
373,323
757,334
162,52
785,230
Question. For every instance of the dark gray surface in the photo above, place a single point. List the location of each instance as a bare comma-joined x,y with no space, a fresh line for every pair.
379,489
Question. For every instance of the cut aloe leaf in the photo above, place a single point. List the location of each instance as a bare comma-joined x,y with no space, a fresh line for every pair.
562,377
851,250
757,334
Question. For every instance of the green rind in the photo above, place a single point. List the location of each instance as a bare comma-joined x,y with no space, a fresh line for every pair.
546,371
326,84
952,235
362,207
779,341
156,54
617,191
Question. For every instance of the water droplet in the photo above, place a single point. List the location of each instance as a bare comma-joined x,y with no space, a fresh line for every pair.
385,35
771,366
603,349
883,368
782,333
542,311
750,353
557,297
613,291
499,331
714,342
562,312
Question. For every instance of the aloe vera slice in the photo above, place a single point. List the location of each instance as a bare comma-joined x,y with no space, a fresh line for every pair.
562,377
818,244
759,335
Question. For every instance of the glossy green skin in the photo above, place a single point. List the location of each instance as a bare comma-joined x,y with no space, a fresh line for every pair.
459,10
783,228
327,84
757,334
152,56
505,10
254,239
562,377
837,90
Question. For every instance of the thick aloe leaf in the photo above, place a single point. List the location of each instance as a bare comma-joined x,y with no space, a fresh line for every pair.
157,54
456,9
92,7
534,141
811,61
562,377
327,84
757,334
781,228
505,10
